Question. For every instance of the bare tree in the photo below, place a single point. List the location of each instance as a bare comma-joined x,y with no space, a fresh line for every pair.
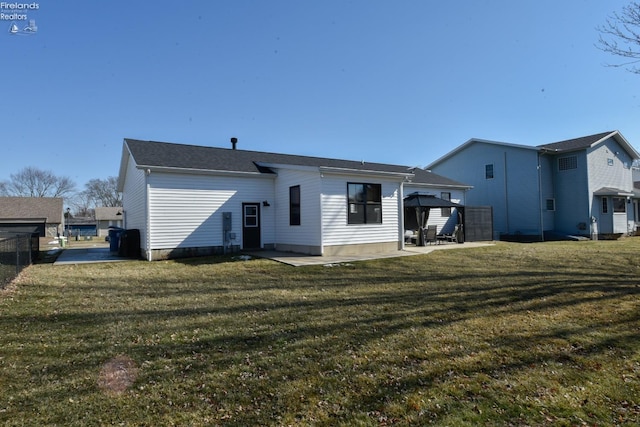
34,182
620,36
103,192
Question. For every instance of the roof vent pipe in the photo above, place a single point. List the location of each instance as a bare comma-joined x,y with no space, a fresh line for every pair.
234,141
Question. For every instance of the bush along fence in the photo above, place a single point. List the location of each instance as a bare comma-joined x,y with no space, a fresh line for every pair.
17,250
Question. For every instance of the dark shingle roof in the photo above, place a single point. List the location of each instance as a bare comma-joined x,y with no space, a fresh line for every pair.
26,208
576,143
194,157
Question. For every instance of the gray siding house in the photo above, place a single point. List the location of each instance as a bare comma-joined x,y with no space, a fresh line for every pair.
581,186
108,217
189,200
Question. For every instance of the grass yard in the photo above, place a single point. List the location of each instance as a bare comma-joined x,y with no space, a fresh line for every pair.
514,334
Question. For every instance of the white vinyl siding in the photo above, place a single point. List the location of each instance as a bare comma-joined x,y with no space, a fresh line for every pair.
134,200
335,227
186,210
308,232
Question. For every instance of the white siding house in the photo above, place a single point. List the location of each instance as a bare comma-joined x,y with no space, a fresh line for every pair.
191,200
582,186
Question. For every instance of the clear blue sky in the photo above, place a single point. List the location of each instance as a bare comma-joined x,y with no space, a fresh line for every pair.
400,82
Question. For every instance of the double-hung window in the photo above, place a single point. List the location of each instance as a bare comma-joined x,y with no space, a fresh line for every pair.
364,203
488,171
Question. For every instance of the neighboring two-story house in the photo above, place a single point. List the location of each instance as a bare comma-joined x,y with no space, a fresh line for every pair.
582,186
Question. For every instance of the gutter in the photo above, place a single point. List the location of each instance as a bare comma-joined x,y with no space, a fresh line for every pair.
189,171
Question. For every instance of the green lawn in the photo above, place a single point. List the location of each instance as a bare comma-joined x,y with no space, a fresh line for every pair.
513,334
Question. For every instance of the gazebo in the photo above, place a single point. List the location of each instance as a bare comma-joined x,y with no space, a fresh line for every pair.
419,205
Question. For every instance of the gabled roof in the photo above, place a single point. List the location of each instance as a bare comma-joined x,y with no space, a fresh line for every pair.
612,191
556,147
478,141
108,213
201,159
28,209
585,142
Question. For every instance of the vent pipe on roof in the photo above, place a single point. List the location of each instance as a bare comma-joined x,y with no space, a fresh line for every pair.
234,141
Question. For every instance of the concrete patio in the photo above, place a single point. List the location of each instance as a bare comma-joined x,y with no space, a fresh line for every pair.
298,260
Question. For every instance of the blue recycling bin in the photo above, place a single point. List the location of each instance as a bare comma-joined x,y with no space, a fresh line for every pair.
114,238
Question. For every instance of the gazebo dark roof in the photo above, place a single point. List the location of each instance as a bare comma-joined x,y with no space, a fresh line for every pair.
418,200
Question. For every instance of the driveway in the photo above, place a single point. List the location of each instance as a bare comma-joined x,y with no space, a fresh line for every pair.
87,255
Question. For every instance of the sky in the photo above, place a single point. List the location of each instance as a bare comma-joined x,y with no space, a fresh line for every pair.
401,82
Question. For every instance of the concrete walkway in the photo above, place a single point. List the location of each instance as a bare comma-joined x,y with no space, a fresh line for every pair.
102,254
298,260
87,255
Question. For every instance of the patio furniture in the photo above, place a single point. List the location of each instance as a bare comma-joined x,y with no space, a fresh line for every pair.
430,234
453,237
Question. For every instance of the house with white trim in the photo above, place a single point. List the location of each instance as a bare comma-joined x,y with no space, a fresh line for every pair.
582,186
189,200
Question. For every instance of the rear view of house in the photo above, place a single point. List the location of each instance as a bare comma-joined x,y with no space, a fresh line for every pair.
189,200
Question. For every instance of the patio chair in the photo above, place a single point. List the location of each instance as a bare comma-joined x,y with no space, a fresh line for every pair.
431,234
454,236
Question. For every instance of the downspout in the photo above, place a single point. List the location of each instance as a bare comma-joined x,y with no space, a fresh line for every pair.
147,215
540,199
401,216
321,222
506,194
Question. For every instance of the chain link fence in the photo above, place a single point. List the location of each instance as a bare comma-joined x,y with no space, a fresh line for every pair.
17,250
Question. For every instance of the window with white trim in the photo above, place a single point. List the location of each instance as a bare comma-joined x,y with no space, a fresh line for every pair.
488,171
551,204
619,205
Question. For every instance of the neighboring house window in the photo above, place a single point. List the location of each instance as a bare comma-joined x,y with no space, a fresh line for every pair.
566,163
619,205
610,162
294,205
445,211
364,203
551,204
488,171
605,206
